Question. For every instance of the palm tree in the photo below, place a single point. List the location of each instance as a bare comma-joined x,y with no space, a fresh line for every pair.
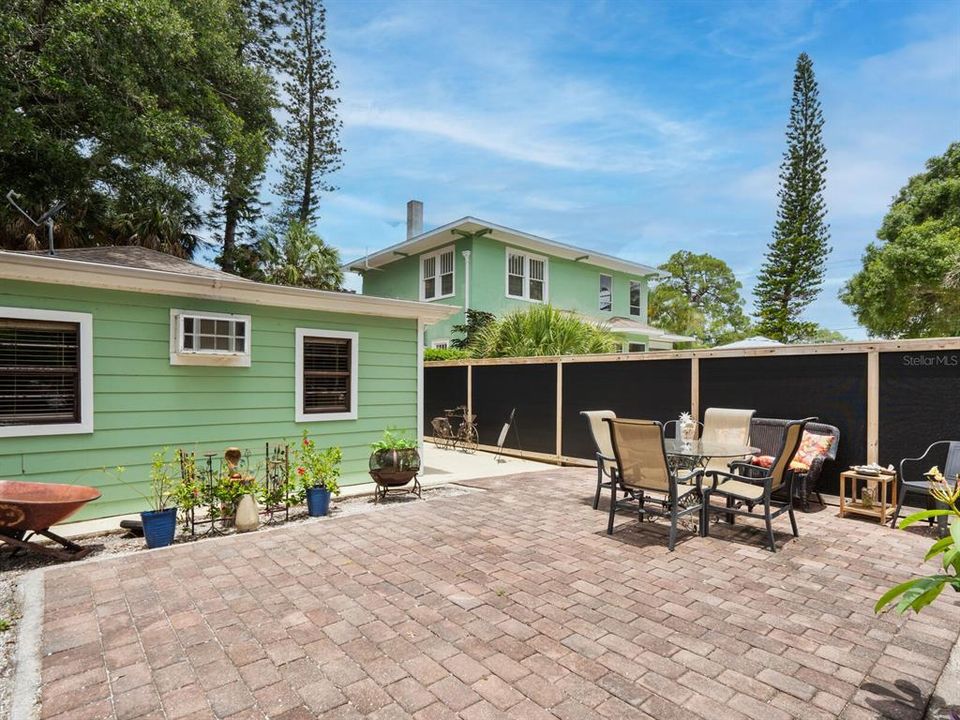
301,258
541,330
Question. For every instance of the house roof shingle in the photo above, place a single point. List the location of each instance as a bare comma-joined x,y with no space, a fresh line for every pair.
135,256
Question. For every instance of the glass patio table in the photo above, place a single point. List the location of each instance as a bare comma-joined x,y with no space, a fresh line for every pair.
699,452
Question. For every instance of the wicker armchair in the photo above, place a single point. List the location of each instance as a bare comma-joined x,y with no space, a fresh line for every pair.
767,434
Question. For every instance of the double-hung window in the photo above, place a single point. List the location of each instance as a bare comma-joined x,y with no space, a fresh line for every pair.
636,297
46,372
436,274
326,375
526,276
207,338
606,293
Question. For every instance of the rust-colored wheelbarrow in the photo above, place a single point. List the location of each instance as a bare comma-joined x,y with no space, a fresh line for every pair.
29,508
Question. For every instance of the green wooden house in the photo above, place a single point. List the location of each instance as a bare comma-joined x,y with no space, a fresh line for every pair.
108,354
475,264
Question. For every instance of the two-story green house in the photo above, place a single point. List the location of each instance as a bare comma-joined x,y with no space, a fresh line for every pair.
480,265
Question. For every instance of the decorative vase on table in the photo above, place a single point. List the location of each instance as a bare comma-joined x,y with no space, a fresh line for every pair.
159,527
688,428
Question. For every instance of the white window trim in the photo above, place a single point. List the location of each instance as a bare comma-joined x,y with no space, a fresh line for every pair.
299,415
527,257
208,357
436,344
639,312
85,321
436,254
599,278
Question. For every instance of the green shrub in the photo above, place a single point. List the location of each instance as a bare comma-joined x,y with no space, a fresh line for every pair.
444,354
542,330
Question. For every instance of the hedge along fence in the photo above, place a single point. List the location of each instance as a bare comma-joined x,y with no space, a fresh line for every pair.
889,399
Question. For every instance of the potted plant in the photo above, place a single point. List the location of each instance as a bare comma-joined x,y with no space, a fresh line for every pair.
395,460
318,472
160,521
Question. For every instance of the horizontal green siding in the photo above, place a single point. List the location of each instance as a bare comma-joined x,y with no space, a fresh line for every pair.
142,403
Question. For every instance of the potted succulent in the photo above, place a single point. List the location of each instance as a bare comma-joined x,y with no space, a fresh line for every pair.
395,460
318,473
160,521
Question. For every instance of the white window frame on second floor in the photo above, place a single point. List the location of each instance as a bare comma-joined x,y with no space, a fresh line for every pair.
437,256
636,310
441,344
525,276
600,302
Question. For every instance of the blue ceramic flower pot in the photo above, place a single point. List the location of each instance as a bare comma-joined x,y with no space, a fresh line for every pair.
318,501
159,527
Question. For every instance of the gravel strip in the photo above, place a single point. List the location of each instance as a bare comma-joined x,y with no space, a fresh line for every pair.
120,542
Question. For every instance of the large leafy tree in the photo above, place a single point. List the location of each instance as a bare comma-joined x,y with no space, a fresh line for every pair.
125,109
541,330
701,298
792,273
311,133
910,282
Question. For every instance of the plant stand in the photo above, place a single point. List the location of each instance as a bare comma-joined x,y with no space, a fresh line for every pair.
384,488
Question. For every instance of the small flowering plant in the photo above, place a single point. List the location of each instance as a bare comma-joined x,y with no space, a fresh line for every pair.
919,592
314,467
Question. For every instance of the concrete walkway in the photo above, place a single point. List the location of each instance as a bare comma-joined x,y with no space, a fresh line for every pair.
440,467
508,603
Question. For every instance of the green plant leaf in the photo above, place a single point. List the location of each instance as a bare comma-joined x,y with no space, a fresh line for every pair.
938,547
893,592
923,515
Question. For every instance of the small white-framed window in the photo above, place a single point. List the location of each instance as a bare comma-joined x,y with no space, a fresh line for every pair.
46,387
327,374
636,347
198,337
526,277
443,344
437,274
606,292
636,297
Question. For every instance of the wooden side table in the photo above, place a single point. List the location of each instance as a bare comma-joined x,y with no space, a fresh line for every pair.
886,485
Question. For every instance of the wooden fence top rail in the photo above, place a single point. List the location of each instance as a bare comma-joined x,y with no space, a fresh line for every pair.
865,346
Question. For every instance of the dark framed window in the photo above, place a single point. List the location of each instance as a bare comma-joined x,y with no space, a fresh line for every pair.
39,372
636,296
327,375
606,293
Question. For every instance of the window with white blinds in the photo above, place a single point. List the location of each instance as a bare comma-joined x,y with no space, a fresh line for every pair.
326,380
436,274
39,372
526,276
46,375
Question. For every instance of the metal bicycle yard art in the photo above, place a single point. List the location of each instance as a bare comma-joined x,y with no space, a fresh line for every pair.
456,428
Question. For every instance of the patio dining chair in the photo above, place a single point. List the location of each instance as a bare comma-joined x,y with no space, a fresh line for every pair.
911,467
646,478
726,426
606,463
757,489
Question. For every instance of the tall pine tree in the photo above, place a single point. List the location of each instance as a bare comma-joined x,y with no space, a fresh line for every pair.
238,206
795,263
311,134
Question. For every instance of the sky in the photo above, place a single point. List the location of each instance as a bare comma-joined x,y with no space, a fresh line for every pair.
633,128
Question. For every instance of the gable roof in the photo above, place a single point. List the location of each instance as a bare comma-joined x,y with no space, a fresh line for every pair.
136,256
508,236
137,269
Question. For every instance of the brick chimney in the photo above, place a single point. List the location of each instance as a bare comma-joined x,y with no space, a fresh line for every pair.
414,218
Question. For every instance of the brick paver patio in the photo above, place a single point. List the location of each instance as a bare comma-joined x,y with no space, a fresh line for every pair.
506,603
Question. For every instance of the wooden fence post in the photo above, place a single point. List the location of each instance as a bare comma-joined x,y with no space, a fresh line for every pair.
873,406
559,439
695,388
470,389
